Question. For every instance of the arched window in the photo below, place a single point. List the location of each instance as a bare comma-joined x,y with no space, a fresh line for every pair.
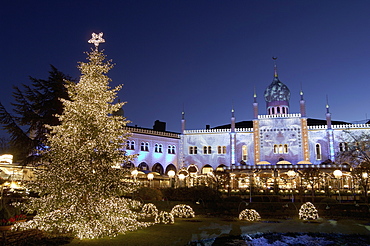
285,148
171,149
207,150
244,153
132,145
318,151
193,150
142,146
221,150
158,148
280,149
276,150
128,144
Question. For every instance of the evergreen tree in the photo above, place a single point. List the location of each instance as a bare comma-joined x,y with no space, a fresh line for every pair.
34,107
79,187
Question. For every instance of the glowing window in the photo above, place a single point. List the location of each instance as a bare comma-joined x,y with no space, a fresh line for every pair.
244,153
221,150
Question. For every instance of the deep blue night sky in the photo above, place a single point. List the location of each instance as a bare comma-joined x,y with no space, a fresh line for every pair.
202,55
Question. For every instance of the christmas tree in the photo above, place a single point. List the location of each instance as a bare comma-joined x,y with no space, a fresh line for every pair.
79,186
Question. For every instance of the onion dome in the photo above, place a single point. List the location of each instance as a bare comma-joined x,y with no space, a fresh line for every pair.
277,95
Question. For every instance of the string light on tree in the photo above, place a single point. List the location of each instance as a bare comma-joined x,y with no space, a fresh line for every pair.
79,190
96,39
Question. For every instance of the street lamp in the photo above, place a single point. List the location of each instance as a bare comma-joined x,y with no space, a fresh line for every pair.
171,174
181,178
134,173
150,178
365,176
338,174
291,174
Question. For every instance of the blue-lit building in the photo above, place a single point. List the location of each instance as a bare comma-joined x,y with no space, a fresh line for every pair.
274,139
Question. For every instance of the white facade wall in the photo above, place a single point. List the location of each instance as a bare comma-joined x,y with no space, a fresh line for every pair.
150,157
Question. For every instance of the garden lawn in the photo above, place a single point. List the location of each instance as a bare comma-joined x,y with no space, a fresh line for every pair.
201,227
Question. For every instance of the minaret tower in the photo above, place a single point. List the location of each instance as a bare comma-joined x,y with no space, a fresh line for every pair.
232,138
255,105
302,104
182,122
330,132
304,129
328,114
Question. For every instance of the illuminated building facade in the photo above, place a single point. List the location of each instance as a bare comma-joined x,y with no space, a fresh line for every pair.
278,140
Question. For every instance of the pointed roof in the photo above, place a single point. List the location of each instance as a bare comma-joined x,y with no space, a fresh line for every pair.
276,91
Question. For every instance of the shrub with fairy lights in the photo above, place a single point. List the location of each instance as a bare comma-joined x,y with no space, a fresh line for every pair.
164,217
182,211
149,210
249,215
308,212
79,181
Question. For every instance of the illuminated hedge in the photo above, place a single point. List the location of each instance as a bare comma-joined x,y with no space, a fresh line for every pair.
308,212
182,211
149,210
249,215
164,218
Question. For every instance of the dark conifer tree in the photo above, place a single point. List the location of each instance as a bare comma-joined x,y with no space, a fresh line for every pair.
34,107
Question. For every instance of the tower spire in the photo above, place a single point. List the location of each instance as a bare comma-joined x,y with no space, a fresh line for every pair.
255,104
302,103
275,67
328,114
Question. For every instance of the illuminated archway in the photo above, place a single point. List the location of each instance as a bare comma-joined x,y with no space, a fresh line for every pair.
171,167
158,168
143,167
207,169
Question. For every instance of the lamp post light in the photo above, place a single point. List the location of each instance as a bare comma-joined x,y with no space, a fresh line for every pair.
365,176
181,178
134,174
171,174
150,178
338,174
291,174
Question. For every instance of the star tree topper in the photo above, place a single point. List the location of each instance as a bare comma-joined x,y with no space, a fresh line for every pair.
97,39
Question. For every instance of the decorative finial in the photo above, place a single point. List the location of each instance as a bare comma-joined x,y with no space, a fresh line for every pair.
275,67
327,104
232,109
97,39
301,92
